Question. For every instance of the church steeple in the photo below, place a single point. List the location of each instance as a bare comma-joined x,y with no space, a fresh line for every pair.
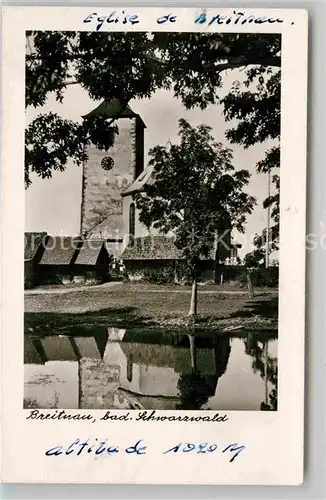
107,174
113,109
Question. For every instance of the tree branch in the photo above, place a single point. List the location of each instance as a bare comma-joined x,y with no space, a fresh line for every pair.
102,218
231,63
72,82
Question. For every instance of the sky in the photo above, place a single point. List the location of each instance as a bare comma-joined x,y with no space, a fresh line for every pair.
53,205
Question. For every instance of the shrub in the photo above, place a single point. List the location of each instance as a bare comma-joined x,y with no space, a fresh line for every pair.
261,276
30,403
266,276
182,271
159,276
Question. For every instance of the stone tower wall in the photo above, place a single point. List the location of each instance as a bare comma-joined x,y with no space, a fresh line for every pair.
101,211
98,384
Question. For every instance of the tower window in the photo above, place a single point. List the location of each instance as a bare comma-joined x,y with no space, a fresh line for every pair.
132,219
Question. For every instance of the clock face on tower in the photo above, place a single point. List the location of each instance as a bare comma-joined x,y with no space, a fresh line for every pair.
107,163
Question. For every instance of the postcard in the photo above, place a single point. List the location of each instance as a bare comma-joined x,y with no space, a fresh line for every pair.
153,245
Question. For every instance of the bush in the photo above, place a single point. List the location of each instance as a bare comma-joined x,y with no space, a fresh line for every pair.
243,278
167,274
159,276
261,277
30,403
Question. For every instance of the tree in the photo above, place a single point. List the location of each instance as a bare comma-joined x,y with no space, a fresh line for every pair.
106,65
129,65
195,195
195,388
257,347
134,65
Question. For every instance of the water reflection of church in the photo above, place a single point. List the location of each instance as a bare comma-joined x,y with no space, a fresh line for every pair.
120,368
152,369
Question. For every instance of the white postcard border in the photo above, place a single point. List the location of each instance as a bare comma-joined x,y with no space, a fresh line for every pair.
274,441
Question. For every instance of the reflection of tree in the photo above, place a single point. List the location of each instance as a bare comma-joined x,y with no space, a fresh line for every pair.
196,388
33,403
30,403
257,347
194,391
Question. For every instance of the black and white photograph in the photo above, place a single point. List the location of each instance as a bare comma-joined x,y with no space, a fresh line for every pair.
152,184
154,245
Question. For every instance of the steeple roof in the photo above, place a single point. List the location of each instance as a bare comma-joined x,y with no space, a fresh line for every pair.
113,109
144,178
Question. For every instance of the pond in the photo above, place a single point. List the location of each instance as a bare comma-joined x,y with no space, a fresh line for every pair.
116,368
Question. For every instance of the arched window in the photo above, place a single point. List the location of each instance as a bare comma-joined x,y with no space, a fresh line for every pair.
132,220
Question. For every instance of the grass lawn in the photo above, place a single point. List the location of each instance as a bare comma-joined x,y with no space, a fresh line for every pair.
129,304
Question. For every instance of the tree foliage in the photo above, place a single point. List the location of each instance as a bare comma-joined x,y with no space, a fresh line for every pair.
194,192
51,140
266,365
194,391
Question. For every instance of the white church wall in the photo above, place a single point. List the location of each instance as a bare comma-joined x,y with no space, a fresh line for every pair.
140,228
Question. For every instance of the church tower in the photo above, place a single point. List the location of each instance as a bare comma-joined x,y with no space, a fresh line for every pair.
106,174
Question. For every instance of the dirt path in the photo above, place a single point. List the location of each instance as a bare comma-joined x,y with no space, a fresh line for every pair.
55,291
117,284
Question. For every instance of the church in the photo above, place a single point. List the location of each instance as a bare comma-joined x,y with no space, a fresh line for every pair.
108,210
109,218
